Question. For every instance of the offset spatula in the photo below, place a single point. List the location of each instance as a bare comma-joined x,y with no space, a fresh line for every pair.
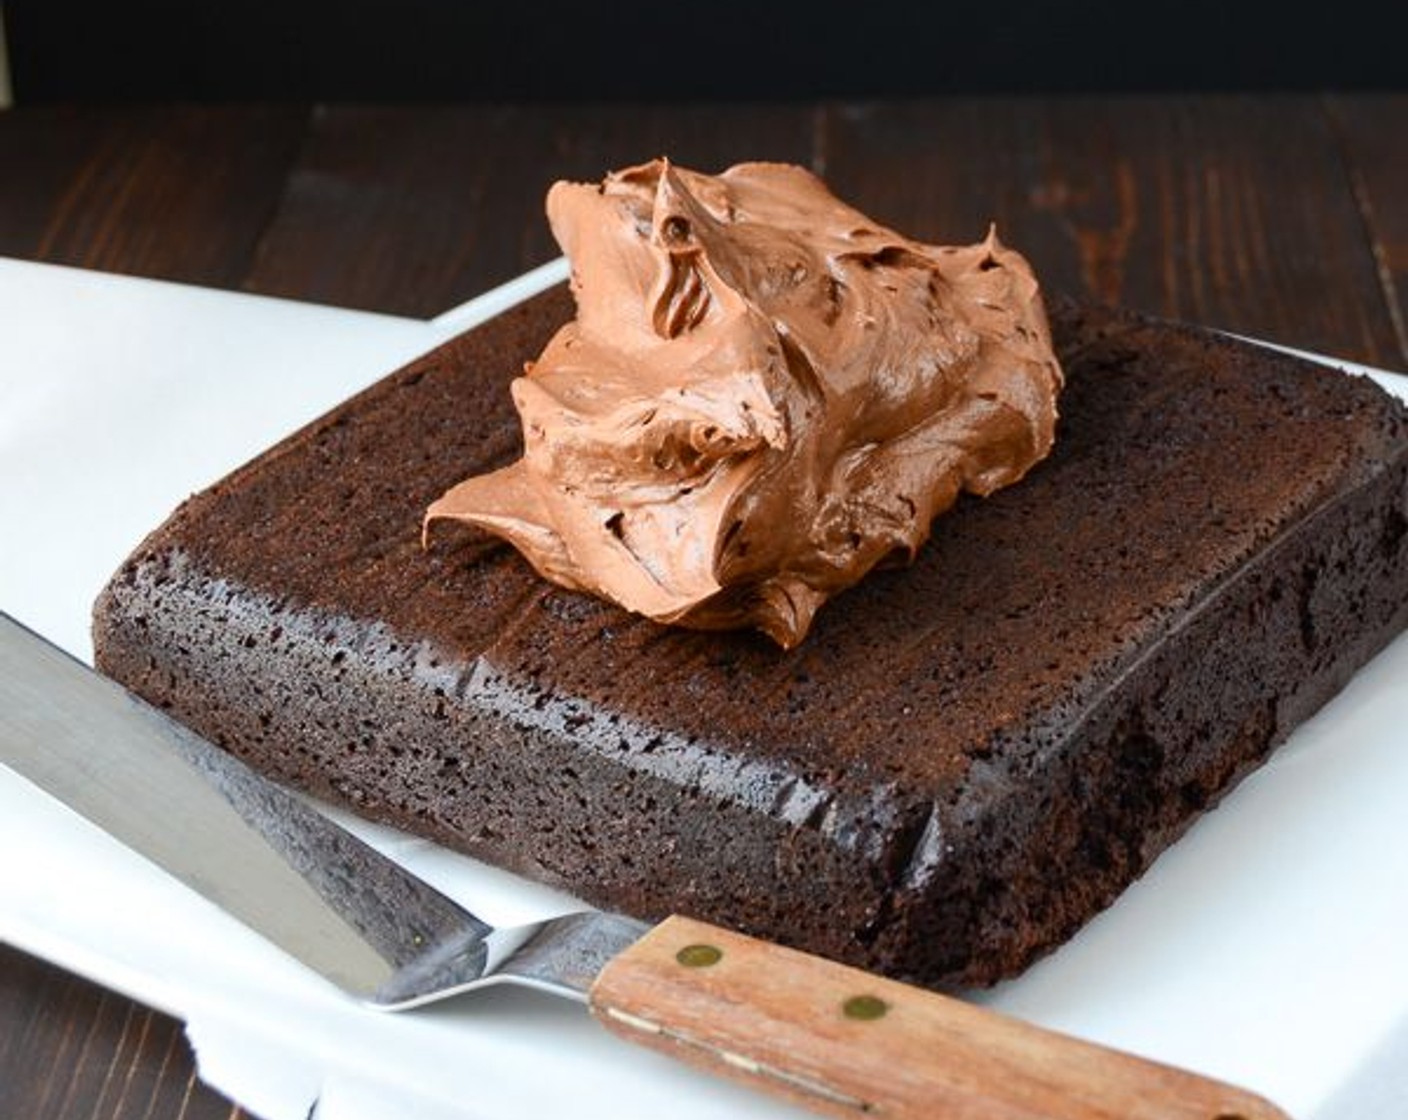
838,1040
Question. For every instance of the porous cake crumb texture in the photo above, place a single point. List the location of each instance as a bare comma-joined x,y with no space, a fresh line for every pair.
966,759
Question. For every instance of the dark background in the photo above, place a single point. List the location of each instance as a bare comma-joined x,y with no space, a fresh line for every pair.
670,50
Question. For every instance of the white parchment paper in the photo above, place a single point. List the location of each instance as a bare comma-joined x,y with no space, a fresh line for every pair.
1265,947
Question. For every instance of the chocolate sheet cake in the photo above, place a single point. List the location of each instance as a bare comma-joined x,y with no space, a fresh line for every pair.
966,759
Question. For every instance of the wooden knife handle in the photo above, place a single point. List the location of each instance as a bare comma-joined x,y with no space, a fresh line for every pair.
845,1043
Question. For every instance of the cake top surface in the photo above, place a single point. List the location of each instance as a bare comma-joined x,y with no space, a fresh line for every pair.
907,682
763,395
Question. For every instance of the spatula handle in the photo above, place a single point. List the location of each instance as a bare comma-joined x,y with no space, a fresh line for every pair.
845,1043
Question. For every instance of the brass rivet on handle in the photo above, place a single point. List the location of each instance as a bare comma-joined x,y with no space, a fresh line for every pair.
699,956
864,1007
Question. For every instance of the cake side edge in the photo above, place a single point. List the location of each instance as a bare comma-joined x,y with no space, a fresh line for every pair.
375,721
1058,839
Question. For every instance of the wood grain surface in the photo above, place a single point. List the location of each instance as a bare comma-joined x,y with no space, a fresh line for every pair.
844,1043
1282,217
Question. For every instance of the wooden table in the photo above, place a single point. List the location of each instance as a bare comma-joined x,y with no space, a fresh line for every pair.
1279,217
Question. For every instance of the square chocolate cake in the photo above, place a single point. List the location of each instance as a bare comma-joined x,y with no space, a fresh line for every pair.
965,760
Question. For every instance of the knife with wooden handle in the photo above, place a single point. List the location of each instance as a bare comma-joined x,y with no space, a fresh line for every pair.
835,1039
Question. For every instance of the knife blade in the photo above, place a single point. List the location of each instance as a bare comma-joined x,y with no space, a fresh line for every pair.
829,1037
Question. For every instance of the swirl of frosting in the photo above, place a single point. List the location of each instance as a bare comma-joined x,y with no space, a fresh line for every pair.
764,394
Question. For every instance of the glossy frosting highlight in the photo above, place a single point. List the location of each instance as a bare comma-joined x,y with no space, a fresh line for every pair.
764,395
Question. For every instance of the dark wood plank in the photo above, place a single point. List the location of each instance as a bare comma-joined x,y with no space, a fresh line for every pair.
412,210
1372,129
180,193
1231,212
69,1048
1281,217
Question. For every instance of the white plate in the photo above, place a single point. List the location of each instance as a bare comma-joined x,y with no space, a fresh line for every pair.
1264,948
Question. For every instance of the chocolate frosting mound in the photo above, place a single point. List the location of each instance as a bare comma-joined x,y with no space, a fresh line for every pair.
764,395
